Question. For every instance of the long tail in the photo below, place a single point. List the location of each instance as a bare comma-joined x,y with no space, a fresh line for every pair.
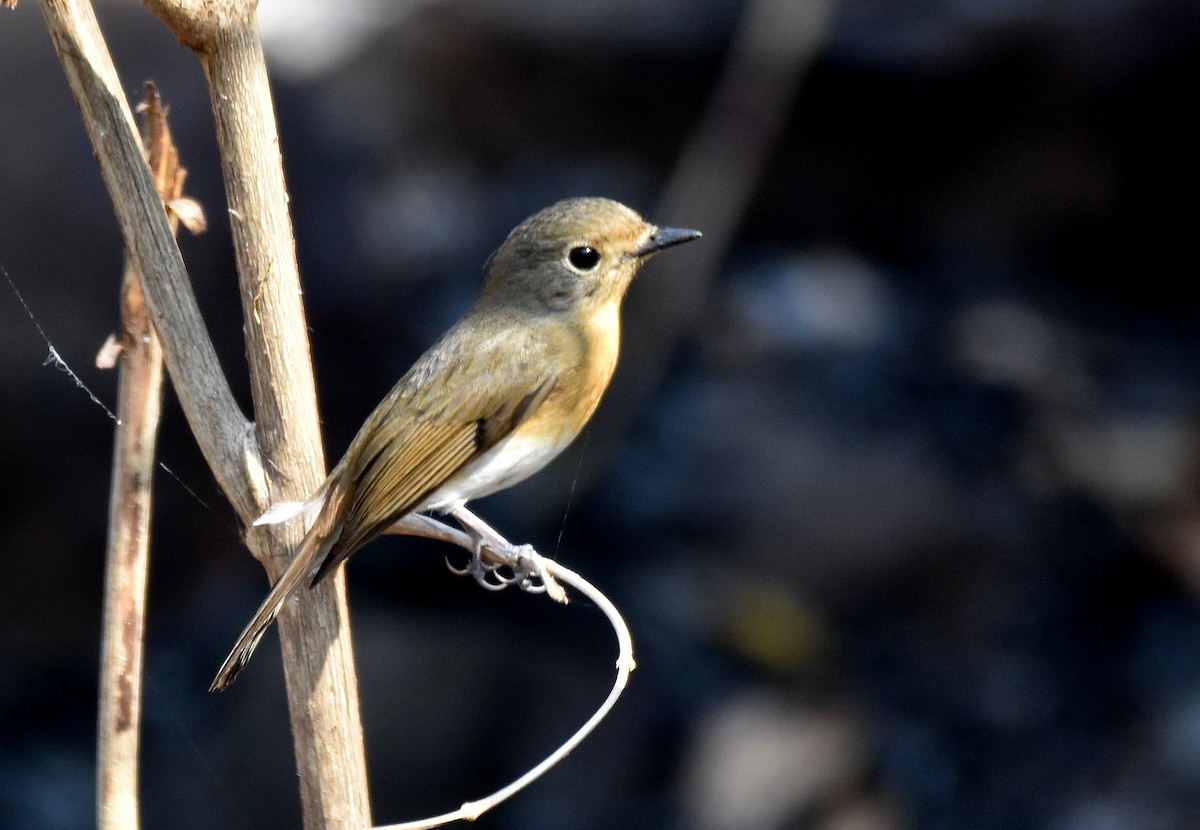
313,549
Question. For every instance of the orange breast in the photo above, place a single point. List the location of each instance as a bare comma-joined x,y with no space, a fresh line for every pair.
604,343
589,356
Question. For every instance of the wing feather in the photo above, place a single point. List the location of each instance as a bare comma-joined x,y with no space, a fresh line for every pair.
457,401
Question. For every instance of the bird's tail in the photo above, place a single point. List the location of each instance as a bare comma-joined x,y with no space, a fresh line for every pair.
313,549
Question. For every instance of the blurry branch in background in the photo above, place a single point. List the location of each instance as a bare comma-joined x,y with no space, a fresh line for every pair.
139,400
711,187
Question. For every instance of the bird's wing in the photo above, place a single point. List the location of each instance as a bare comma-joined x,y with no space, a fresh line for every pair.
417,437
454,404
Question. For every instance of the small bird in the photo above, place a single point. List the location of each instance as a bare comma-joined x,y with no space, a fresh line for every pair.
503,392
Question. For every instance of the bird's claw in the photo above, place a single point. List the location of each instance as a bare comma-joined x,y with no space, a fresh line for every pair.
522,562
485,574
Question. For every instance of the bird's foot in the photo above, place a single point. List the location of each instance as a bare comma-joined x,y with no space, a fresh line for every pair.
497,563
519,565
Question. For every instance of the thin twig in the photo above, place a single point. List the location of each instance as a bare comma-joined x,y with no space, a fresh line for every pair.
418,524
139,398
472,810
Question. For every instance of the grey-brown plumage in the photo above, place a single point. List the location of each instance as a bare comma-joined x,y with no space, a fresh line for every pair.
498,396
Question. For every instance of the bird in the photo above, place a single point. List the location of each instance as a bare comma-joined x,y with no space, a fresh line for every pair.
494,400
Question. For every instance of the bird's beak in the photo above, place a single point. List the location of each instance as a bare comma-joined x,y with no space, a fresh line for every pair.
665,238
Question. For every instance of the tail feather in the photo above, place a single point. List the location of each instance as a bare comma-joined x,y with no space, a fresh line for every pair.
313,549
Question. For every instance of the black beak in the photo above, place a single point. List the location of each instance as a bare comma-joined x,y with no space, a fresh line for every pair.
665,238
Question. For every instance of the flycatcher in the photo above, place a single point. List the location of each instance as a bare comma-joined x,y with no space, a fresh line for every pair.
492,402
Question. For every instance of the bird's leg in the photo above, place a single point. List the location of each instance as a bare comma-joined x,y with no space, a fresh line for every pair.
486,536
527,565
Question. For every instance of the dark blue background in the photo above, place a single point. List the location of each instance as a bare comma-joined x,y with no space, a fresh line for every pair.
907,533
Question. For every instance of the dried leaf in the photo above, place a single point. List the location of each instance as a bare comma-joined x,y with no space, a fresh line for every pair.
189,212
107,357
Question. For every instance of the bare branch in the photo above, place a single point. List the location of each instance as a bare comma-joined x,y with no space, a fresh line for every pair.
322,692
198,23
139,399
314,632
285,398
139,394
223,433
123,627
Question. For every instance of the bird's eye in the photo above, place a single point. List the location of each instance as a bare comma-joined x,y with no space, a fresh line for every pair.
584,257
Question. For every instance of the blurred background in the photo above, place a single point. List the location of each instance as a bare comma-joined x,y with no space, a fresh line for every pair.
896,482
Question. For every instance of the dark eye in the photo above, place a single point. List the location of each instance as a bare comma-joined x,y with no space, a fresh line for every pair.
584,257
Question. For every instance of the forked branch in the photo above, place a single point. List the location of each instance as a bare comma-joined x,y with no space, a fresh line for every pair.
280,454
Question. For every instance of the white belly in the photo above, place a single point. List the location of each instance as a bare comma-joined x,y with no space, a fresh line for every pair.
513,459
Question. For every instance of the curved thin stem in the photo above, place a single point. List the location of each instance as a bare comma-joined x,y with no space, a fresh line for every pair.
525,560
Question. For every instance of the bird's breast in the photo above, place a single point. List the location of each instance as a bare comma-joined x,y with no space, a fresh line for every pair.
589,357
603,343
513,459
